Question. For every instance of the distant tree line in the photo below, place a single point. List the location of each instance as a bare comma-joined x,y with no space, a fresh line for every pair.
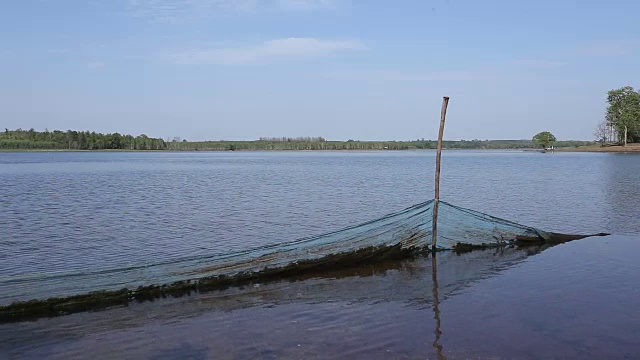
76,140
85,140
264,144
294,139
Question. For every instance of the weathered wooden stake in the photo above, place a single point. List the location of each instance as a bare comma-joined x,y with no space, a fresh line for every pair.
436,199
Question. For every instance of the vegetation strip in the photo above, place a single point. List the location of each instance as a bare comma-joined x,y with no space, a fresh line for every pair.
84,140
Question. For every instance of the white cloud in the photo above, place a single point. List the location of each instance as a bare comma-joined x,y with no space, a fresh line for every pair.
267,51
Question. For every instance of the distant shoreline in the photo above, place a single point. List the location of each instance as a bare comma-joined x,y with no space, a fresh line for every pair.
20,140
630,148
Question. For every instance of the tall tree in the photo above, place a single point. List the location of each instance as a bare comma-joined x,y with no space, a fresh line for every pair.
544,139
623,113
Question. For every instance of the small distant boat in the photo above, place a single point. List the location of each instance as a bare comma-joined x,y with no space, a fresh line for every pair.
550,148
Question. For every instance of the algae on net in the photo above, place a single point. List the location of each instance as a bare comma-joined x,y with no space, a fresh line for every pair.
396,236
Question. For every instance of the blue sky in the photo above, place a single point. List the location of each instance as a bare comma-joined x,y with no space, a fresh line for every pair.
368,70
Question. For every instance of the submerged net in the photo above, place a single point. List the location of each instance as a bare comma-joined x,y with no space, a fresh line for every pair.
394,236
404,232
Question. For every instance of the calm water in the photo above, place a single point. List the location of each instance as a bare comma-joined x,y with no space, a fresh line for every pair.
84,212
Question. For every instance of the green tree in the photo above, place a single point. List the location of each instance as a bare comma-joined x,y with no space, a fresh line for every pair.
623,113
544,139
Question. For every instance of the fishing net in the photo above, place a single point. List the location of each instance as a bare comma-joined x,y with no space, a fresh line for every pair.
398,235
394,235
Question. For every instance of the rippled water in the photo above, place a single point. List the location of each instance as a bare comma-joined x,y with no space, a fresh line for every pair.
577,300
65,212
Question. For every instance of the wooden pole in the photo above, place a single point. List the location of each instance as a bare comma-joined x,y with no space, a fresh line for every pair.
436,199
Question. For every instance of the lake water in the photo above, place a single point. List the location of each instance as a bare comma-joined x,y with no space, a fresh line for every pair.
74,212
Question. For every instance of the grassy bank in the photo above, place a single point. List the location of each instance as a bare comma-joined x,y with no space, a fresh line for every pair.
635,148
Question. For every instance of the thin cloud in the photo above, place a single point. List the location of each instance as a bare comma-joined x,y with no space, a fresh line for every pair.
614,48
268,51
185,10
486,75
95,65
537,64
435,76
176,11
59,51
308,4
603,49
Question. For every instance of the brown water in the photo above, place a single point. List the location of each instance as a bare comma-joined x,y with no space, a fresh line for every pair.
61,212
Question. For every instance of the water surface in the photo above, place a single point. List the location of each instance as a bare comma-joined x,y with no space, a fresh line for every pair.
510,304
82,212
